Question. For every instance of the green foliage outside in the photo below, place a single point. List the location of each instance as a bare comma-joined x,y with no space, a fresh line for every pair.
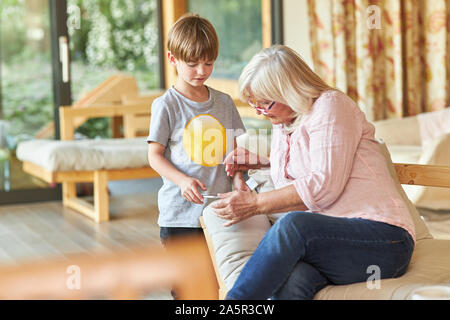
115,33
238,25
112,35
109,36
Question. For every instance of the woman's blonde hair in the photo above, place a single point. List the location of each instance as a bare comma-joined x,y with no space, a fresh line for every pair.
279,74
192,38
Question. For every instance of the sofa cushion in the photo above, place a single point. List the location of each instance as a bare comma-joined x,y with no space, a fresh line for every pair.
430,265
433,124
233,245
405,153
435,152
78,155
404,131
422,231
404,137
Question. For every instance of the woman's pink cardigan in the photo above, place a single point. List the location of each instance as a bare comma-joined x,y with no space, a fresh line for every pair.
336,166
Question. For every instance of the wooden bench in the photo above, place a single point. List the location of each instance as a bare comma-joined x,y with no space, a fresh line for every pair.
99,210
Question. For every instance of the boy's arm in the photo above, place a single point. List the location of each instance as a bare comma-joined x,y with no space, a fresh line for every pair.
239,182
187,184
161,165
238,178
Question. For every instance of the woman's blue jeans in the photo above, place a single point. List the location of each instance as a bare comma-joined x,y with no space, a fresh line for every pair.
303,252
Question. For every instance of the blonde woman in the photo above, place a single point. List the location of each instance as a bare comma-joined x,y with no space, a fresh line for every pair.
344,214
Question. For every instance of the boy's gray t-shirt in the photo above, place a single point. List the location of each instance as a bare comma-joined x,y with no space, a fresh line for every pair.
176,123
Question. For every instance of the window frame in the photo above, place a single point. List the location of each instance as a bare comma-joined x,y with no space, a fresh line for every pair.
61,96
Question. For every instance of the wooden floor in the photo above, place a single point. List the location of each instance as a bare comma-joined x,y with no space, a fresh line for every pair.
47,230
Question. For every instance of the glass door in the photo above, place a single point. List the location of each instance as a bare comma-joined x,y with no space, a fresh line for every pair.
110,38
28,92
51,48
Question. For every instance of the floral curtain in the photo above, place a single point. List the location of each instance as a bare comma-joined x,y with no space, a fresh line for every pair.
391,56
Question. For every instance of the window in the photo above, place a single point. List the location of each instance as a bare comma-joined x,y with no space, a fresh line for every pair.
26,100
109,37
106,37
239,27
243,27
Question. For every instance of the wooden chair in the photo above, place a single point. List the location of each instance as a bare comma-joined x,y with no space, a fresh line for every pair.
184,266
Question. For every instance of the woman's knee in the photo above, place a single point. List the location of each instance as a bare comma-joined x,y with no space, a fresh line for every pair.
295,222
292,219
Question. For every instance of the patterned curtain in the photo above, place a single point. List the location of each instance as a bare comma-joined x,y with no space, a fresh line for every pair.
391,56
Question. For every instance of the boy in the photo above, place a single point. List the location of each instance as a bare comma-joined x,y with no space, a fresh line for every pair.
190,127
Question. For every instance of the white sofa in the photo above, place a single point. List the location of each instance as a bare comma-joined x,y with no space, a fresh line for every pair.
232,247
422,139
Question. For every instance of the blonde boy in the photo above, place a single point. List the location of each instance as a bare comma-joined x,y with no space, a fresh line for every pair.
190,126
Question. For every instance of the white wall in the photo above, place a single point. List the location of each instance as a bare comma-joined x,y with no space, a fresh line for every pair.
296,28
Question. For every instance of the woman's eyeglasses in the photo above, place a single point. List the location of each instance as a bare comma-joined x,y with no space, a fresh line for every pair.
261,106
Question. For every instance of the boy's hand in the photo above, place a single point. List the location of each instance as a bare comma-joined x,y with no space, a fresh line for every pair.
189,189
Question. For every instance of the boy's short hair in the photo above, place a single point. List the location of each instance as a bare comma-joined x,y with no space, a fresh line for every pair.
192,38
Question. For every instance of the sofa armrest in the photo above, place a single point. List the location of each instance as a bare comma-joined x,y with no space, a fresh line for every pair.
403,131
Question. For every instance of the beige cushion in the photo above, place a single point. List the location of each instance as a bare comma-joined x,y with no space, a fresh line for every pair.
423,139
436,152
422,231
405,154
92,154
234,245
404,131
430,265
433,124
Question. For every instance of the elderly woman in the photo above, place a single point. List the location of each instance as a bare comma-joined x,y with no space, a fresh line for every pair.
344,217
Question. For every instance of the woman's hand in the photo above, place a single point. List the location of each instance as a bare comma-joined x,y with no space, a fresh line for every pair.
189,191
235,206
241,159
